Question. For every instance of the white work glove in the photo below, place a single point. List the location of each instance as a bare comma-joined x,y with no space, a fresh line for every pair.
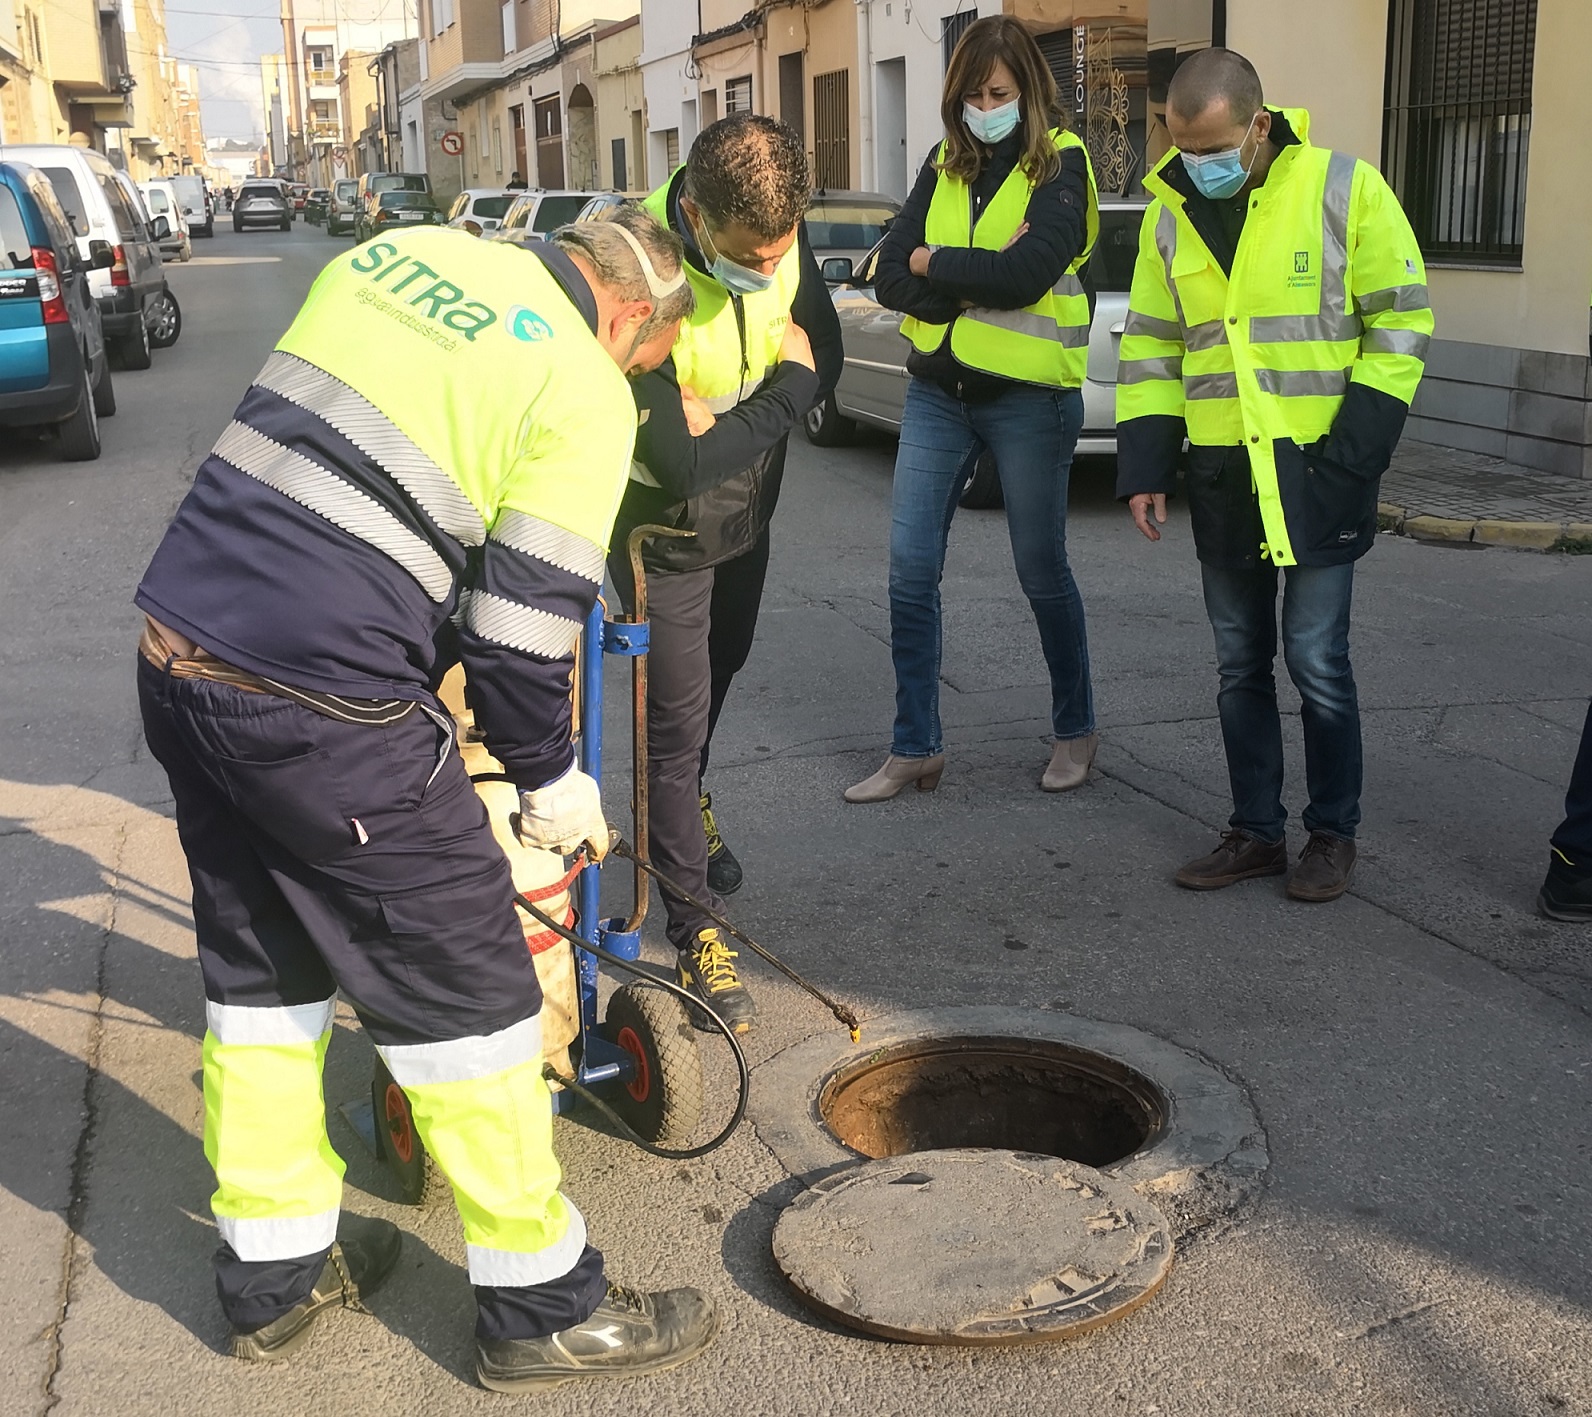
565,813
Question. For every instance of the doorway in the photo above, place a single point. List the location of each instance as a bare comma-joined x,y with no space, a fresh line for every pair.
890,127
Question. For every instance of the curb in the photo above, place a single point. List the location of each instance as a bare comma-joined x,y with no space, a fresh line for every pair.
1574,538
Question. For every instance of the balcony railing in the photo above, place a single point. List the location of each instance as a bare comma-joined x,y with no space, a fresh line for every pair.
322,76
325,130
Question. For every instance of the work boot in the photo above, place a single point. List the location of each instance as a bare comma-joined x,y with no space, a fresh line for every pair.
1566,892
1324,868
627,1335
724,871
707,969
1240,857
360,1261
1069,765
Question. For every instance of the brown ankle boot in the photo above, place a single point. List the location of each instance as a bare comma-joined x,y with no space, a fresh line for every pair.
1324,868
896,774
1239,858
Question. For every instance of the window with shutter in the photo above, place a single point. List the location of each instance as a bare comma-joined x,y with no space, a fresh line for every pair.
952,28
1457,124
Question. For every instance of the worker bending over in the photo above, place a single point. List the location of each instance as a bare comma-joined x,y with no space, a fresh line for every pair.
426,469
760,348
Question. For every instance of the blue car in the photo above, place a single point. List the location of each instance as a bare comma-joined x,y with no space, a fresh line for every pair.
54,371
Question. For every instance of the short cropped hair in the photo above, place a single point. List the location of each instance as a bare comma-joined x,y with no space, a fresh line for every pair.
751,169
1209,75
613,260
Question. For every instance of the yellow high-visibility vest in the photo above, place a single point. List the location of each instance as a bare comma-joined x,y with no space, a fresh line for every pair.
708,352
1328,287
1043,343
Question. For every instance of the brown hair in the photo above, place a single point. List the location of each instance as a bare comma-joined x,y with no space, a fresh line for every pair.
999,37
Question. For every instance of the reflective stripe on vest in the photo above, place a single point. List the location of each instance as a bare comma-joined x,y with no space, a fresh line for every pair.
1043,343
327,495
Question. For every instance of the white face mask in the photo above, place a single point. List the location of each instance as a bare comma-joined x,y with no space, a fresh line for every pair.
990,125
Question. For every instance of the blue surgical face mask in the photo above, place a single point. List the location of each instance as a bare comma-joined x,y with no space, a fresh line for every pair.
991,125
733,276
1220,175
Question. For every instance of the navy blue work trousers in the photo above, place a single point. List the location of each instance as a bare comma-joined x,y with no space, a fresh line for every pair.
336,856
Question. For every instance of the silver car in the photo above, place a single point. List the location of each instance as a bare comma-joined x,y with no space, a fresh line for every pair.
873,383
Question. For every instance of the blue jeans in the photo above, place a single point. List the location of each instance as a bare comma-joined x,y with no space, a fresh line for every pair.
1031,432
1242,605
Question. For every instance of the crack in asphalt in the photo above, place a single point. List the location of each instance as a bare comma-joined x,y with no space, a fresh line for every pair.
77,1202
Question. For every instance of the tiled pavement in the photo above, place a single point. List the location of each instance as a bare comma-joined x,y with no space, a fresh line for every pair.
1445,494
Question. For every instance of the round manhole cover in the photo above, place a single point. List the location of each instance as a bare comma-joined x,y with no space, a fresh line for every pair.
973,1246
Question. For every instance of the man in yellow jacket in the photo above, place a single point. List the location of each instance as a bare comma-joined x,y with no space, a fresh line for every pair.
1279,322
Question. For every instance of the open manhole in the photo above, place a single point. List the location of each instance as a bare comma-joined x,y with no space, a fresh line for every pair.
1016,1094
994,1175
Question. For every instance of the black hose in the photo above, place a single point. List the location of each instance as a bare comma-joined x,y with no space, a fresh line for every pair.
744,1081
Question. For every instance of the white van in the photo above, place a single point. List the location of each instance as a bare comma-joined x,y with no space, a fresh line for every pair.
106,211
197,210
160,197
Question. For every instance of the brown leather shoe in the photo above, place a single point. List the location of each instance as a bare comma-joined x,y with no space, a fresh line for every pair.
1324,868
1239,858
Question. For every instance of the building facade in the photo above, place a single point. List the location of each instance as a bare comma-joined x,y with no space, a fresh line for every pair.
316,34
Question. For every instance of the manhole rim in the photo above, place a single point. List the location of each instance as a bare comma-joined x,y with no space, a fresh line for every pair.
1141,1088
1210,1121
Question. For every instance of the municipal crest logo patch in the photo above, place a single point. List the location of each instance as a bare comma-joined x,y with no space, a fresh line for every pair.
1301,263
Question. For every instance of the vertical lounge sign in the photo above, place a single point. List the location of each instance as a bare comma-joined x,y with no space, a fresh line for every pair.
1080,88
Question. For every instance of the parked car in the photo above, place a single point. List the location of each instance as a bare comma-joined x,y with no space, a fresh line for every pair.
373,183
160,199
54,367
198,205
104,207
605,202
262,201
298,194
479,209
342,206
315,205
873,381
390,209
536,213
848,224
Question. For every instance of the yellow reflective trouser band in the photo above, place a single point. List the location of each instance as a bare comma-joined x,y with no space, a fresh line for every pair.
278,1181
485,1115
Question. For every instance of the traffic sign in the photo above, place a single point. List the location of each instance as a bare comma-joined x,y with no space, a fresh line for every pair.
453,143
339,154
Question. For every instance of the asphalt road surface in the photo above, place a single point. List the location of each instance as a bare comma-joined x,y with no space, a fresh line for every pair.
1420,1053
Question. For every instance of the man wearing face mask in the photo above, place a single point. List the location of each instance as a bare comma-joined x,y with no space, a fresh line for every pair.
1279,321
760,348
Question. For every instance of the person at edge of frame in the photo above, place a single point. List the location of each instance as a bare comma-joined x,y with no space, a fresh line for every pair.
425,471
761,347
986,260
1279,320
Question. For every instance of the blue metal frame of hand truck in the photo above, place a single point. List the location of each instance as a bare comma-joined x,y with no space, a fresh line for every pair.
600,1060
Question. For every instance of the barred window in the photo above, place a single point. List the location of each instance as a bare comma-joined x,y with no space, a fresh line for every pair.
1457,124
952,28
738,95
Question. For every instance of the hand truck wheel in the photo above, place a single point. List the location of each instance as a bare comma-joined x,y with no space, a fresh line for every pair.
662,1103
420,1179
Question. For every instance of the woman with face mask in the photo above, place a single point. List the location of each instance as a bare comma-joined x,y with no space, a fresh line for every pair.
985,261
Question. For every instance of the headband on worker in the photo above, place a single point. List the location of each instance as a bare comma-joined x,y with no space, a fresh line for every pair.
655,283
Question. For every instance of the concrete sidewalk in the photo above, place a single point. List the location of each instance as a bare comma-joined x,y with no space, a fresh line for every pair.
1446,494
